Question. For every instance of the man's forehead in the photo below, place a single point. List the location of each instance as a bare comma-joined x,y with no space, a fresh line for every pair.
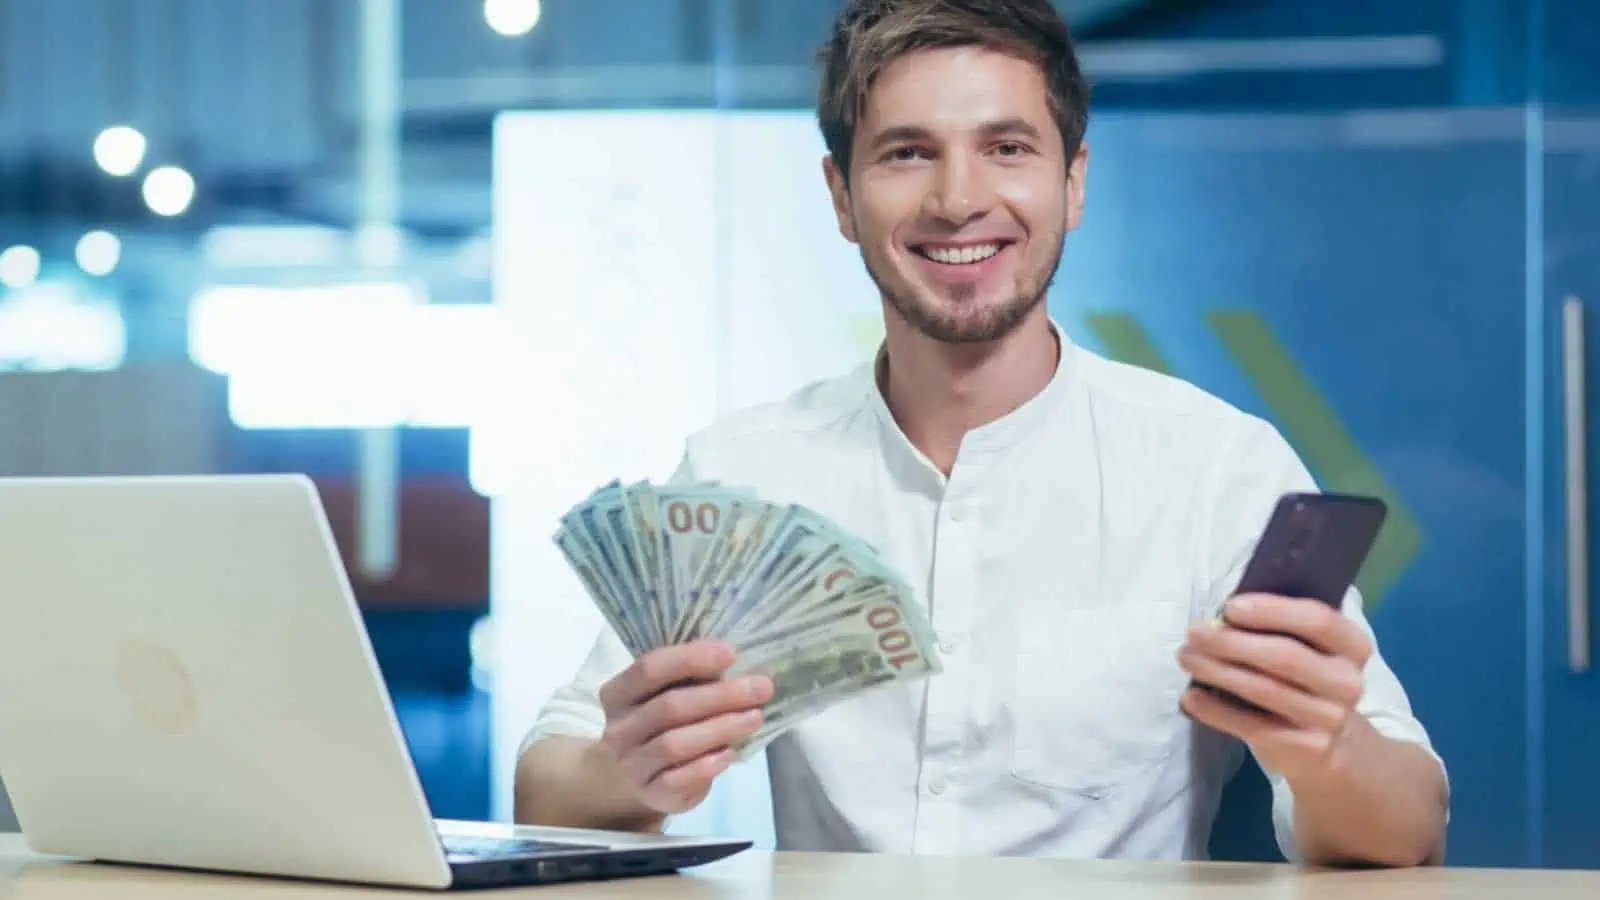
956,90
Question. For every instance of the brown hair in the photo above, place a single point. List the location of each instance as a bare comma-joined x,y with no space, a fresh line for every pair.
869,35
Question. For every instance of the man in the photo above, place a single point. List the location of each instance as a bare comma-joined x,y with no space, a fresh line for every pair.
1073,525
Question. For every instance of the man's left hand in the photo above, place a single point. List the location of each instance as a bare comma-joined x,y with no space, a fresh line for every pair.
1299,661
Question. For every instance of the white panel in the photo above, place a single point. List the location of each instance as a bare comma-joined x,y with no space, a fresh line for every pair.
798,304
661,268
607,275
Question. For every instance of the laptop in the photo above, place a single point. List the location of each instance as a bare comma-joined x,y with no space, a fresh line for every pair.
187,683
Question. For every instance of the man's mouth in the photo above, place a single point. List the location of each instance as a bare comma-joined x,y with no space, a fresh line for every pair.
959,256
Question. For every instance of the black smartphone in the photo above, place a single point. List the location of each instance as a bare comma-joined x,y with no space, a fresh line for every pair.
1313,547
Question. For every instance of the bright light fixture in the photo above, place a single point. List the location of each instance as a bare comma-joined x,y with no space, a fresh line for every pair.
45,328
354,356
168,191
119,150
19,267
512,18
98,252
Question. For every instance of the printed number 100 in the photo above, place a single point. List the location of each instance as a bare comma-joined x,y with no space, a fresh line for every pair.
893,640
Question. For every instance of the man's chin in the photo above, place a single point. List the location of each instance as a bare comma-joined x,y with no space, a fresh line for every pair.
965,323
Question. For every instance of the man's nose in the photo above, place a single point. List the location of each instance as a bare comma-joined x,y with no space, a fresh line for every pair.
960,192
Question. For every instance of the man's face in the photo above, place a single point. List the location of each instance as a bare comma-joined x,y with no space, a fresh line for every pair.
959,193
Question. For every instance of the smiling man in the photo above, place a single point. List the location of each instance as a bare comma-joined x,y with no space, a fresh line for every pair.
1075,527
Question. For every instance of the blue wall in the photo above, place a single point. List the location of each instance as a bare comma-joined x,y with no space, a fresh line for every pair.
1404,269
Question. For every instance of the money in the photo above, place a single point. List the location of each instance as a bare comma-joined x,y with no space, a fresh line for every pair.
800,600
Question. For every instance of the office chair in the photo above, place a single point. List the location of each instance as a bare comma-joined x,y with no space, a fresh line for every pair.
8,818
1242,831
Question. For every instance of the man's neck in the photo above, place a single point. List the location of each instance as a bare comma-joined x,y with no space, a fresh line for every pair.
938,392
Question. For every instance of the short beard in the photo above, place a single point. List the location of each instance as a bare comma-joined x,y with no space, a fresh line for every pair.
992,326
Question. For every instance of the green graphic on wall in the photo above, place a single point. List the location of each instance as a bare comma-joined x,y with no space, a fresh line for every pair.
1306,418
1126,340
866,331
1293,403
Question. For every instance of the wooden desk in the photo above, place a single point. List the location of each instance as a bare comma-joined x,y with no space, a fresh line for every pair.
799,876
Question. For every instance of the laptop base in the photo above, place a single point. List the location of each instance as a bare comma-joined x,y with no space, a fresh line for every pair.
549,867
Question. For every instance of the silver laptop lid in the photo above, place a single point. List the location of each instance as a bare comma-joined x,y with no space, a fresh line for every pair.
187,682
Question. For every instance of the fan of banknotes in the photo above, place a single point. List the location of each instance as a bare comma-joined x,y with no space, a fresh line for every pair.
799,599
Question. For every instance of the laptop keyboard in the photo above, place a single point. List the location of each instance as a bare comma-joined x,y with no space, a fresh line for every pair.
461,848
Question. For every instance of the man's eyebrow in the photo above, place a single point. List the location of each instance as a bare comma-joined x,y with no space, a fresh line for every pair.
896,134
1011,125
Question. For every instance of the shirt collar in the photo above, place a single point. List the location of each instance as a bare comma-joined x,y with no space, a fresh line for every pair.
992,437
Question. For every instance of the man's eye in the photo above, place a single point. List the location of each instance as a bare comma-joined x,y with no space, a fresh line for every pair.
905,154
1011,148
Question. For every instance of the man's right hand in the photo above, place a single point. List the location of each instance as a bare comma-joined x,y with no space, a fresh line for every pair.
671,718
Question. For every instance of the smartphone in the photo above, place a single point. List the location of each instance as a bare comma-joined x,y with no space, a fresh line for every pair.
1312,548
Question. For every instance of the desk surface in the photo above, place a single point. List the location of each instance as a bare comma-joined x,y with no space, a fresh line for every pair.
756,876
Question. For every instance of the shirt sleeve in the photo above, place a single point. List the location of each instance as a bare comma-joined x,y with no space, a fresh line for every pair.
1259,468
574,709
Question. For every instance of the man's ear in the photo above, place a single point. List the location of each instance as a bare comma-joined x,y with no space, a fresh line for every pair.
1077,173
841,198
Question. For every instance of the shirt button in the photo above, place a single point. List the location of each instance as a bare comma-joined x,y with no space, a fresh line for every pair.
936,786
947,645
960,512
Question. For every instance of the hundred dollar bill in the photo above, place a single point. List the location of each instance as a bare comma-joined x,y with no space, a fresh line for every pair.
694,520
801,599
601,591
803,538
737,545
875,646
845,602
817,583
599,521
643,529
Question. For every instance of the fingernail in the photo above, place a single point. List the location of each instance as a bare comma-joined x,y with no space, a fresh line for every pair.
755,687
1241,604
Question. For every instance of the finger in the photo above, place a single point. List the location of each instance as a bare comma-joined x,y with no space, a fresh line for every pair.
1267,736
677,707
1228,717
654,671
1312,621
683,745
1277,697
1284,658
681,788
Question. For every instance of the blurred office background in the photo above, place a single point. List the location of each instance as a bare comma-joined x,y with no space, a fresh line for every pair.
460,261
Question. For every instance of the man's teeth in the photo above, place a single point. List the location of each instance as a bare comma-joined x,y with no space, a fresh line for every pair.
961,256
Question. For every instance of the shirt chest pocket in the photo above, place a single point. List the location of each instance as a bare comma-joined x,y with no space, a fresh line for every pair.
1095,699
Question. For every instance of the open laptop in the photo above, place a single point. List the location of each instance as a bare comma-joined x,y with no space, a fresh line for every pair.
187,682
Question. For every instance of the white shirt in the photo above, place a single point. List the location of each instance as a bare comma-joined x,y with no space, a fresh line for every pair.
1062,562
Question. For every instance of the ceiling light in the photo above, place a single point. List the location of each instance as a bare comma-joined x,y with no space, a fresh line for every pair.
98,252
119,150
19,267
168,191
512,18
